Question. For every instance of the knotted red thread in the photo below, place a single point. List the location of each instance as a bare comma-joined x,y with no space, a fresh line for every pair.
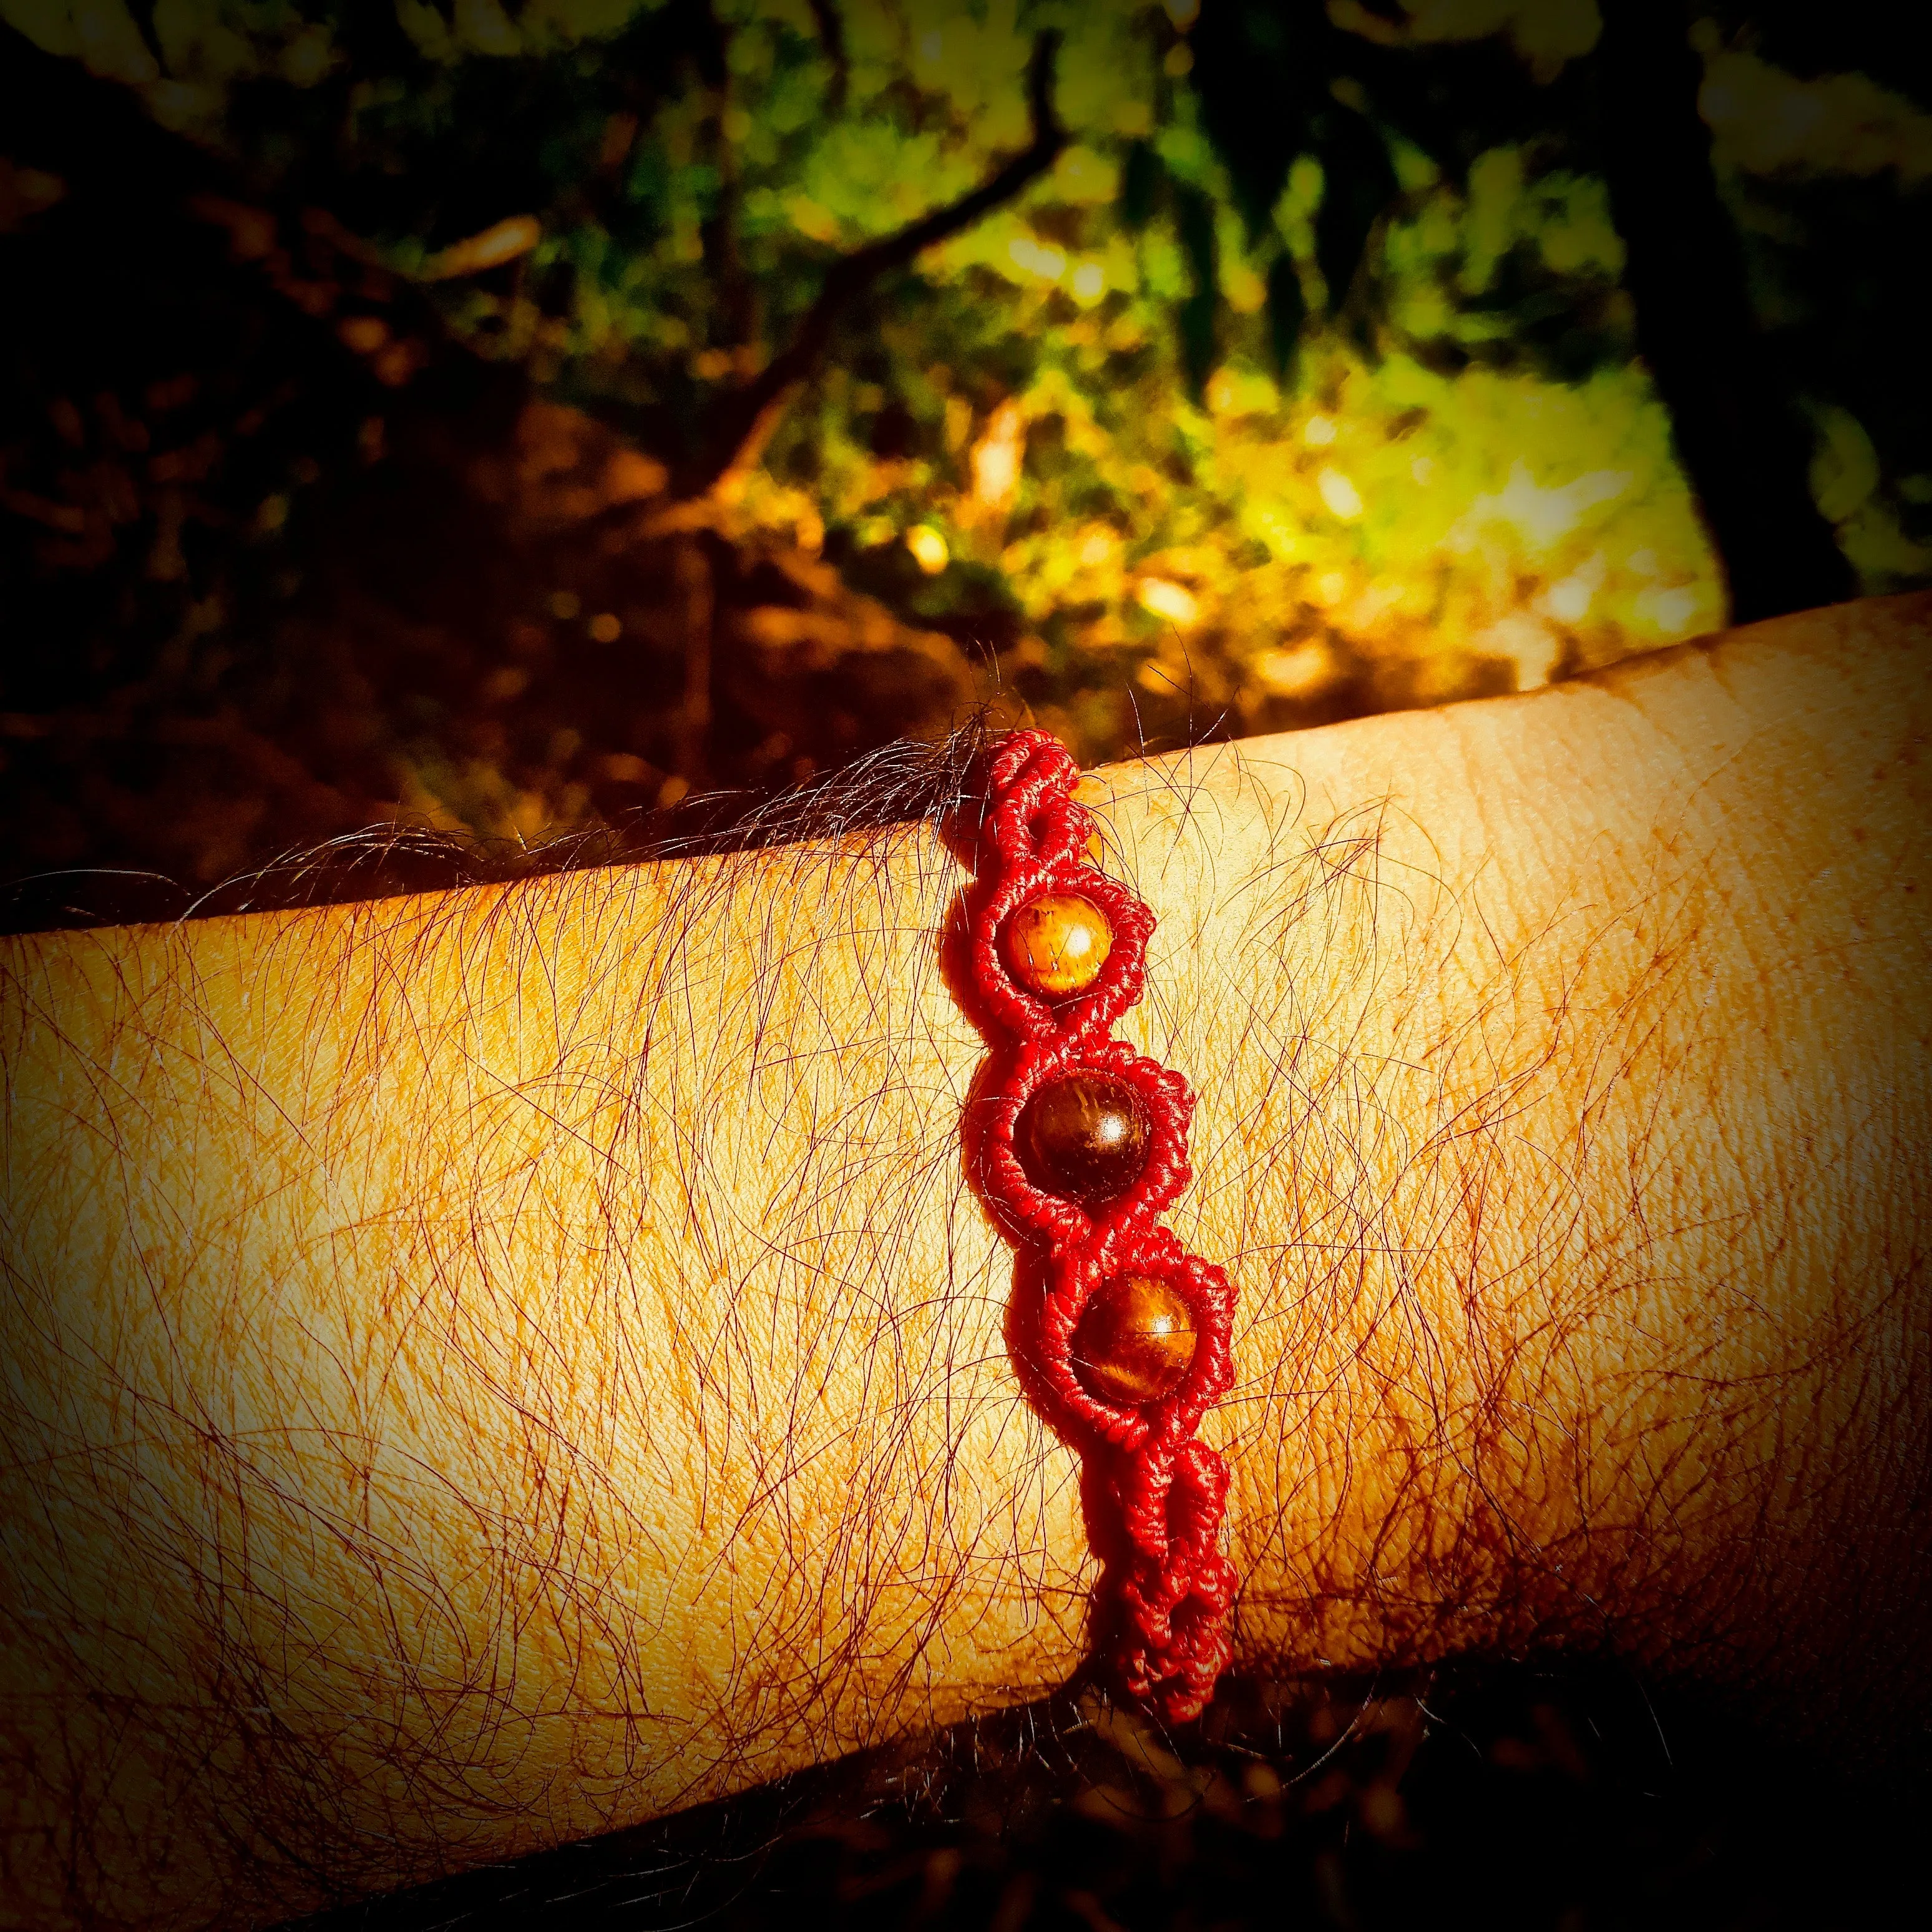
1154,1497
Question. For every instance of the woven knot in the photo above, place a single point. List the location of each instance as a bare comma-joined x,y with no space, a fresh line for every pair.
1156,1496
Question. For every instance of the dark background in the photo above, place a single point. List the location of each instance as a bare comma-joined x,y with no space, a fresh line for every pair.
1566,1796
507,425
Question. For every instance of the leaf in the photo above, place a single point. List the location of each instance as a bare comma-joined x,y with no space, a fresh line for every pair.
1194,221
1142,178
1359,182
1260,71
1287,312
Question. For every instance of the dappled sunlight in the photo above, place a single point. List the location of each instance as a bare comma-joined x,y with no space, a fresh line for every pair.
642,397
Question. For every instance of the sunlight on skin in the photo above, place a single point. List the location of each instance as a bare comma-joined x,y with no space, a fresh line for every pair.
493,1366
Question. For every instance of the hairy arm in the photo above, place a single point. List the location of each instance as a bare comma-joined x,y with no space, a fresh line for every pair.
486,1367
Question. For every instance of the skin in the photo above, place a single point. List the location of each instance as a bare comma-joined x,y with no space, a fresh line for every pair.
491,1366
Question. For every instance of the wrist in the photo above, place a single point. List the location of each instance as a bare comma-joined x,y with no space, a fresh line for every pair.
1567,1165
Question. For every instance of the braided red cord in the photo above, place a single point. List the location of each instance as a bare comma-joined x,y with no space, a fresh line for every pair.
1154,1496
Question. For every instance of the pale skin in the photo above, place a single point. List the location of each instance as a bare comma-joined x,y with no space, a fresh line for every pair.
486,1368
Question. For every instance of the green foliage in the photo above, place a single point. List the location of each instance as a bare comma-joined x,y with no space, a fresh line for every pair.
1829,176
1303,384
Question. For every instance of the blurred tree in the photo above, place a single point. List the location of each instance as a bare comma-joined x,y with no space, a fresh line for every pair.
1746,453
521,414
1340,81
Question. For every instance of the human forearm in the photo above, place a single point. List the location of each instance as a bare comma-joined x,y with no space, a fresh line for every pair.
539,1362
1625,1333
510,1340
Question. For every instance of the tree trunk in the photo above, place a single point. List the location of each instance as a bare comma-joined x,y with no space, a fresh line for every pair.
1741,442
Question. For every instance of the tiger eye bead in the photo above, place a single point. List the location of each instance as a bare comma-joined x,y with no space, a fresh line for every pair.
1057,943
1135,1342
1083,1136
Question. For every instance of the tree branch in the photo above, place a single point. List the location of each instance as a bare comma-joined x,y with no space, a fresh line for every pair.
745,412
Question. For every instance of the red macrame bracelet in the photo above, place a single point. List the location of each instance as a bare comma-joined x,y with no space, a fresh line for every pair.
1119,1336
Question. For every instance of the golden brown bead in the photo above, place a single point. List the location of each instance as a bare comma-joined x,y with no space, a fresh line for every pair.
1057,943
1083,1136
1135,1342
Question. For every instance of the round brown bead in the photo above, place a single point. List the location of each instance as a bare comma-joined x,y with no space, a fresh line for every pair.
1057,943
1083,1136
1135,1341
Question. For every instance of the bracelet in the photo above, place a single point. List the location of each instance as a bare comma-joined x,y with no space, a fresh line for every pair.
1119,1336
